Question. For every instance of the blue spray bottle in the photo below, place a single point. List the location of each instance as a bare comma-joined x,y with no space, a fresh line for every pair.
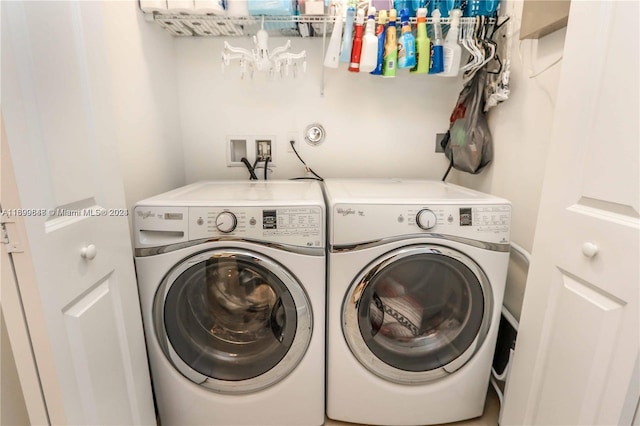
347,38
380,33
437,50
406,42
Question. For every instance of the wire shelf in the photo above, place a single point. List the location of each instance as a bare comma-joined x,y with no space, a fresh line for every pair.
183,25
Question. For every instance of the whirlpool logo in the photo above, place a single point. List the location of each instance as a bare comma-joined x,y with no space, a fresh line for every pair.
349,211
346,212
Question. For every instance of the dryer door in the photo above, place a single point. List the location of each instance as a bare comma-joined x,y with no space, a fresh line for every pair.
417,313
232,320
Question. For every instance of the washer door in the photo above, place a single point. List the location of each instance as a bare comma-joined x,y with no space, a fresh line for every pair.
417,313
232,320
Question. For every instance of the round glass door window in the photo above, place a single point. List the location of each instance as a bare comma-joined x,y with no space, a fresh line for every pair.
234,321
417,314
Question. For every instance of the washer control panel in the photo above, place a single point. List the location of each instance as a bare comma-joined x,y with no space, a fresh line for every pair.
300,226
352,224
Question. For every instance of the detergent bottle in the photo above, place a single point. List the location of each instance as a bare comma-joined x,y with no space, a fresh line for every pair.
406,43
423,44
380,34
356,48
437,60
390,47
347,39
369,55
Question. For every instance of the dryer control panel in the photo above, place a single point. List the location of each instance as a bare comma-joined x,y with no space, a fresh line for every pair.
358,223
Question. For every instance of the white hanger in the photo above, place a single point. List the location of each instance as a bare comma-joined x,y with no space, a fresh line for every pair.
273,62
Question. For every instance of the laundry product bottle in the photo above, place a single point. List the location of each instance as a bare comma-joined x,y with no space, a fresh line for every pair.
390,58
400,5
369,55
423,44
356,48
347,38
381,35
451,49
437,54
406,43
446,6
481,7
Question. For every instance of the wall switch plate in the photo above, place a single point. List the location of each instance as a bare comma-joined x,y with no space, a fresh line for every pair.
439,139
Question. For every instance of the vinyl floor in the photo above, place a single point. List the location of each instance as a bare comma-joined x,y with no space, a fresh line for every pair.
488,418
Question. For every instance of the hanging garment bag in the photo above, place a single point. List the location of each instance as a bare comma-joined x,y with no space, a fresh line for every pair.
468,143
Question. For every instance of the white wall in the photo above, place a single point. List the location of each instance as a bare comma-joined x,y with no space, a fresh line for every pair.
521,128
144,88
375,127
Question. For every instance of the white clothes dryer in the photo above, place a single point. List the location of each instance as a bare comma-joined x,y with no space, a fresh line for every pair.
416,276
232,287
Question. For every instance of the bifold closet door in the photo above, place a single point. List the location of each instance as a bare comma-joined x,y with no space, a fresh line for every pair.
577,352
81,306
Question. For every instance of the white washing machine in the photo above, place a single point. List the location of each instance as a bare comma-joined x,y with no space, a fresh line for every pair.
232,286
416,276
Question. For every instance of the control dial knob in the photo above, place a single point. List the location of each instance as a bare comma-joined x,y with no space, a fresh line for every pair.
426,219
226,222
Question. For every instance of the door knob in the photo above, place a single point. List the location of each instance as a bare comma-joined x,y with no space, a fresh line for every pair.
589,249
89,252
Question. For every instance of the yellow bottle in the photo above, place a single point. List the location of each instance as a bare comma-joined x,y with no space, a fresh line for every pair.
390,47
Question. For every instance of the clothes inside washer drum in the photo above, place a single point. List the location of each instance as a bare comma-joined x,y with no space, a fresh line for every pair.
230,319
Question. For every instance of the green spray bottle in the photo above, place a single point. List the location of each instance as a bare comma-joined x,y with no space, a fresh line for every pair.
423,44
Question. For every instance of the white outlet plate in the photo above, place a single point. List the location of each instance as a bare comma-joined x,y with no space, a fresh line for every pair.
291,136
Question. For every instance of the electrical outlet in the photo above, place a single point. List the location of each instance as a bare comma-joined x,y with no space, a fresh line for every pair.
291,136
263,149
439,138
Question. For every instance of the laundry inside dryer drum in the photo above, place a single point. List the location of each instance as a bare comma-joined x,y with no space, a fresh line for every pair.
421,312
230,319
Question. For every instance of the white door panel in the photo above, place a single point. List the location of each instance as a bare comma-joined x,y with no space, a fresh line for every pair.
578,342
59,123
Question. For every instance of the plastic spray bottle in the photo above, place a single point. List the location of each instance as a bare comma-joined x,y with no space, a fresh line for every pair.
380,33
406,43
356,49
437,55
452,50
347,39
423,44
390,47
369,55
